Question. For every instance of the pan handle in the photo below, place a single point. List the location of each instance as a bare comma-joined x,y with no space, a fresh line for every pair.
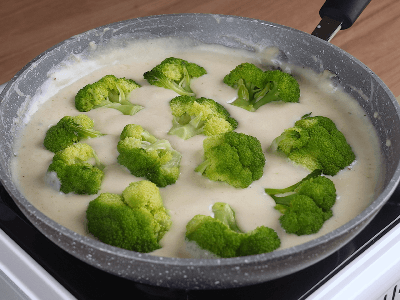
346,11
338,15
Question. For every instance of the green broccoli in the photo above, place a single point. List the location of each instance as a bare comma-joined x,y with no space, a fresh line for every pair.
235,158
135,220
193,116
110,92
315,143
146,156
305,205
257,88
222,236
68,131
72,170
175,74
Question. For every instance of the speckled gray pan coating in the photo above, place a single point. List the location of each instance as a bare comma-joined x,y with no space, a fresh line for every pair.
298,48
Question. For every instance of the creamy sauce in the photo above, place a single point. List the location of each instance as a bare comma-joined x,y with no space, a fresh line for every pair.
194,194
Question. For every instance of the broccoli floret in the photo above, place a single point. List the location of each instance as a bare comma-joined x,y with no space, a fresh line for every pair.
315,143
109,91
146,156
257,88
235,158
68,131
305,205
135,220
75,171
303,216
175,74
193,116
222,236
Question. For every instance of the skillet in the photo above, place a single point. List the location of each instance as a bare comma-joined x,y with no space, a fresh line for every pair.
297,48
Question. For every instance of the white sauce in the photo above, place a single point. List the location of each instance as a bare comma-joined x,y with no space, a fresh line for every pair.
194,194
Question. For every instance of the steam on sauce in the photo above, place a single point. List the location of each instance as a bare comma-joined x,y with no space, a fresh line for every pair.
194,194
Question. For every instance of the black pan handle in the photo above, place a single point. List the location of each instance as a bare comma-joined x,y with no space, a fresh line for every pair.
345,11
337,15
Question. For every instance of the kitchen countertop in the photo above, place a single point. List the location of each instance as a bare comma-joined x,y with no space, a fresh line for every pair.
30,27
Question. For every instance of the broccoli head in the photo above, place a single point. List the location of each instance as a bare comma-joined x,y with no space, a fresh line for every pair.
305,205
75,171
193,116
146,156
175,74
315,143
303,216
110,92
68,131
257,88
222,236
235,158
136,220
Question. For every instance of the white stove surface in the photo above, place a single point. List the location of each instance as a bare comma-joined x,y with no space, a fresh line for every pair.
375,274
21,277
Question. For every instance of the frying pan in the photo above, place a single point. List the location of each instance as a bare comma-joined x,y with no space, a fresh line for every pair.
297,48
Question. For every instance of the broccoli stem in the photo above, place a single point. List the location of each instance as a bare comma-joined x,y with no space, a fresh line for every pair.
178,88
148,137
87,133
174,162
117,96
266,95
224,213
203,166
84,132
97,163
273,192
252,98
281,208
185,83
242,103
244,90
283,200
185,127
245,95
127,109
158,145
